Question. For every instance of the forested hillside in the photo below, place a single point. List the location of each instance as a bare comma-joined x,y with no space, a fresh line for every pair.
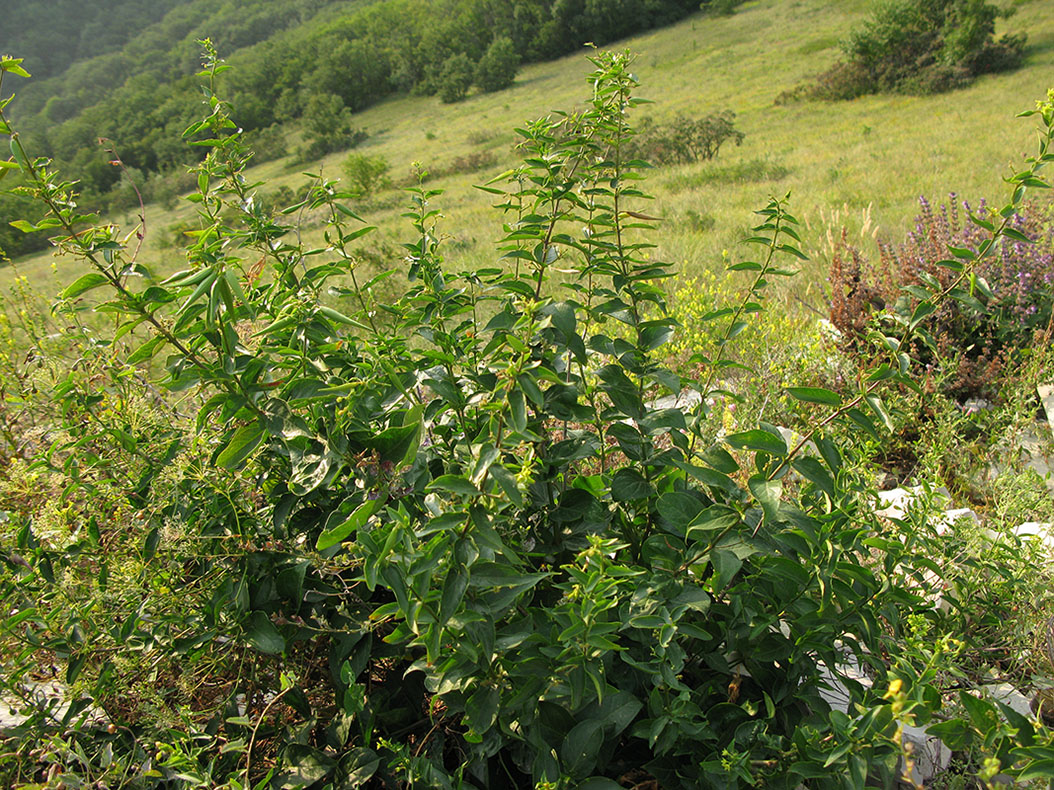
56,34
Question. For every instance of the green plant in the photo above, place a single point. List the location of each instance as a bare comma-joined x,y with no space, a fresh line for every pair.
720,7
687,139
975,341
453,538
455,78
366,174
921,46
497,68
327,126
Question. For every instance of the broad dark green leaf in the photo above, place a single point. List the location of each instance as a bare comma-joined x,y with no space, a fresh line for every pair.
146,351
481,708
397,444
359,765
767,492
628,485
815,472
679,509
581,747
262,634
727,564
455,484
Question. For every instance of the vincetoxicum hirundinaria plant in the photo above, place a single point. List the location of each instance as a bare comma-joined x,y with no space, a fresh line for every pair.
483,552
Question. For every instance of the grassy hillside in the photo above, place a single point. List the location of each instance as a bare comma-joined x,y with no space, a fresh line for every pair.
862,163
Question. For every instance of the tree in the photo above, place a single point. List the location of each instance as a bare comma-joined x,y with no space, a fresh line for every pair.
327,125
455,78
497,68
921,46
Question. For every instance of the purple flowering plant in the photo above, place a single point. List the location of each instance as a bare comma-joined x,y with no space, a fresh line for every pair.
972,341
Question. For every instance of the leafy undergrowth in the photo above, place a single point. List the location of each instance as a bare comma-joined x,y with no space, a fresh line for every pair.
464,536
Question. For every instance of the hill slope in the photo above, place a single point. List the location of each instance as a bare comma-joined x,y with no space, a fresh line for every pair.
881,152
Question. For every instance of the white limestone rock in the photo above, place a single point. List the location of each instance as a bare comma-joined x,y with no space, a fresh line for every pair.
1036,530
50,695
896,503
1046,397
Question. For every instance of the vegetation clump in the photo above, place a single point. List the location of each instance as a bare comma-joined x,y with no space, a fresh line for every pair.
684,139
921,46
328,126
366,174
972,342
497,68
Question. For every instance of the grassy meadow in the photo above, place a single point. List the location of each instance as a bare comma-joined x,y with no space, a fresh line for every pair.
862,164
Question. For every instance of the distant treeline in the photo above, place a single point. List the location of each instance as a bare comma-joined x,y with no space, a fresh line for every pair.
287,55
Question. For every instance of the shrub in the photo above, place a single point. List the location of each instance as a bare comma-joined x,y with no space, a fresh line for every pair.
455,78
471,163
269,144
366,174
920,46
497,68
979,336
328,126
720,7
687,139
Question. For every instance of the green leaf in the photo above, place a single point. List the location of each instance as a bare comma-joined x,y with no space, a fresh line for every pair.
716,518
815,472
530,389
146,351
864,422
981,711
83,284
240,446
455,484
340,318
517,411
74,665
262,634
25,227
759,441
581,746
815,395
726,564
359,764
679,509
1016,235
879,409
454,587
1041,769
767,492
13,65
356,521
506,480
563,317
628,484
398,443
481,709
